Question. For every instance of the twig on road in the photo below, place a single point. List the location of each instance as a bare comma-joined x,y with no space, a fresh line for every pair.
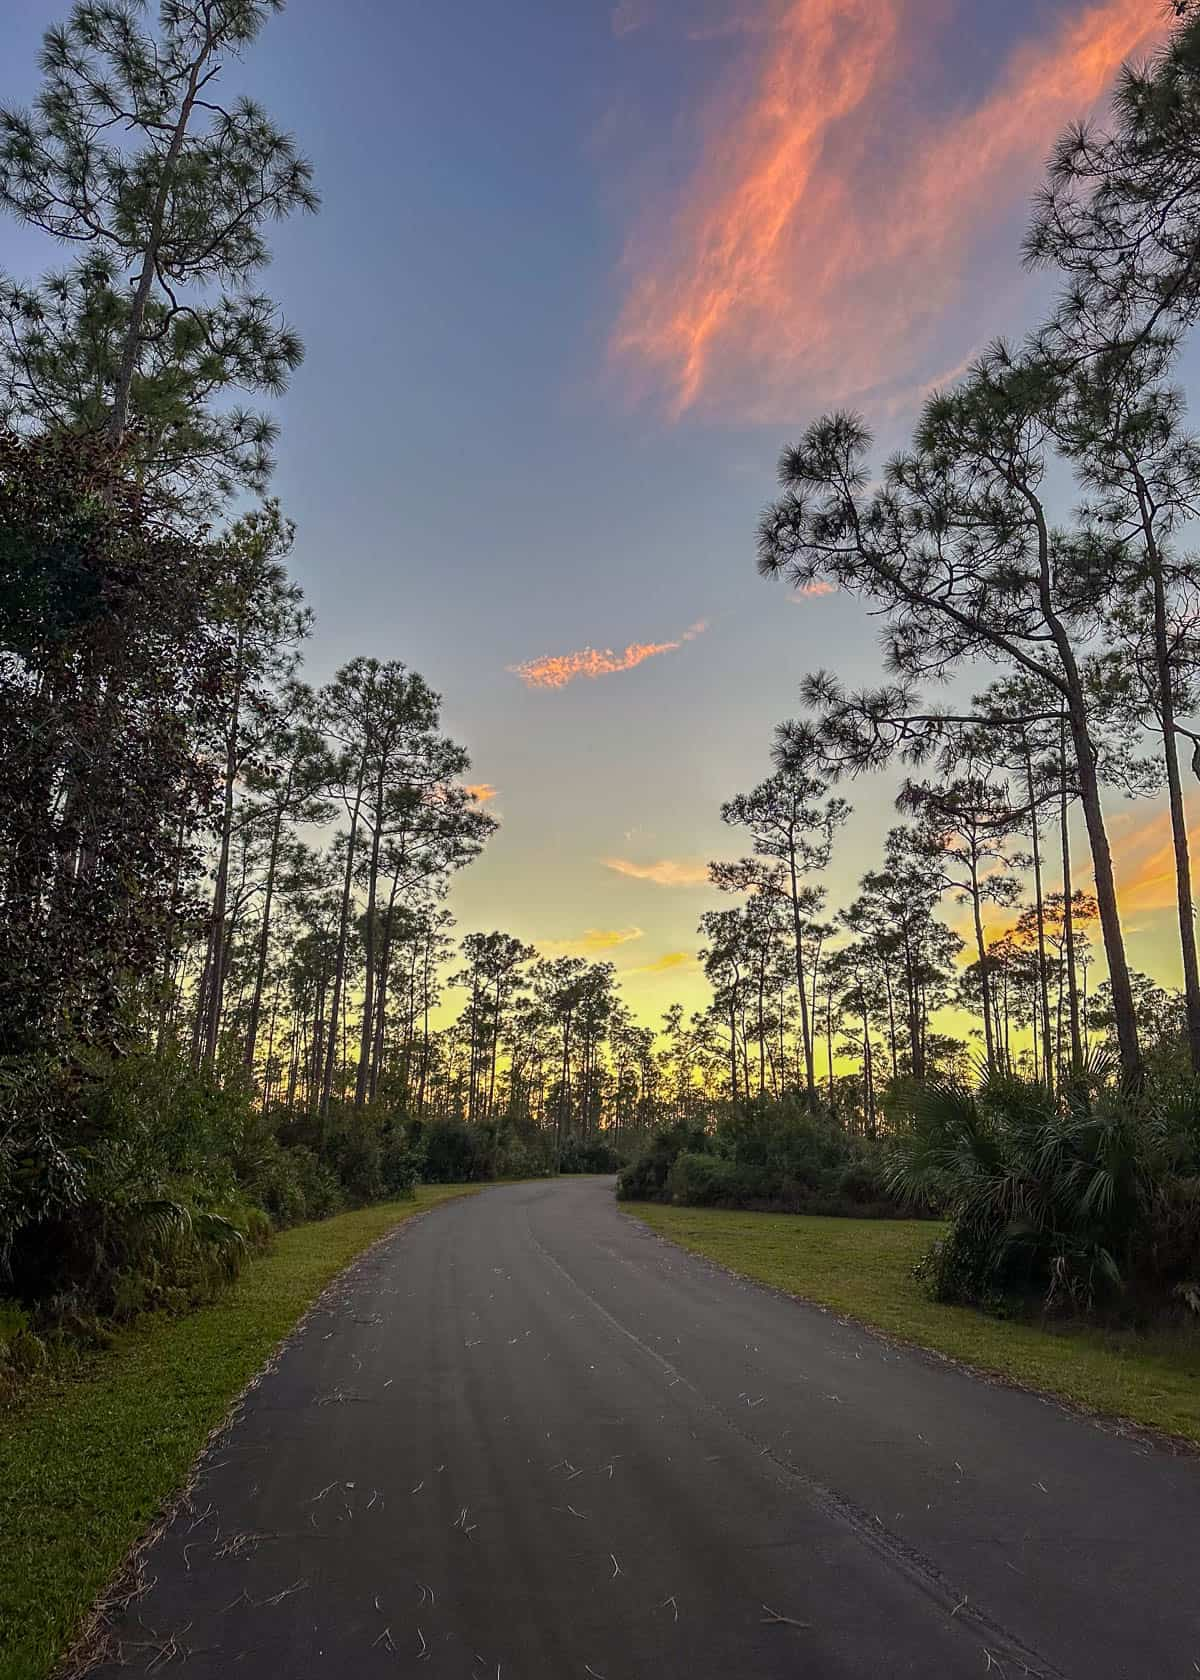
775,1619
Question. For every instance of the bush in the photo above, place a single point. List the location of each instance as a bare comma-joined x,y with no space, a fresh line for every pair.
770,1155
525,1157
292,1184
588,1155
1070,1197
789,1141
123,1197
712,1181
1169,1257
453,1153
645,1178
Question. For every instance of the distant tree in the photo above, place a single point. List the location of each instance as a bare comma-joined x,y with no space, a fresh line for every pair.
284,787
493,974
560,984
963,826
727,964
264,617
793,831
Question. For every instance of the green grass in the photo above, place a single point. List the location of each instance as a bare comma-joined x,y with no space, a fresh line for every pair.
89,1461
863,1268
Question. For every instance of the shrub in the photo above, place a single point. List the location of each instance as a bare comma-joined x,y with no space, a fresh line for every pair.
713,1181
1169,1256
588,1155
356,1155
453,1153
1066,1197
122,1198
645,1178
791,1142
525,1157
770,1155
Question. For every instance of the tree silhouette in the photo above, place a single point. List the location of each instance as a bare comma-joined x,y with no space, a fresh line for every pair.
957,553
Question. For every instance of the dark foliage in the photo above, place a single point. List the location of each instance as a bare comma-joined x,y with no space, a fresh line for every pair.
110,676
1074,1201
770,1155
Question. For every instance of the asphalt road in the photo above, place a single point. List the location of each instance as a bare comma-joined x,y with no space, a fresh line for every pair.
525,1439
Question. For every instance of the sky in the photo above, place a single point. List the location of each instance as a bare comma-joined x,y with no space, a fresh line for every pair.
580,271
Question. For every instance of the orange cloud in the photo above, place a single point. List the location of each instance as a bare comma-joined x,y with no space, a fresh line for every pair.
556,670
1144,860
668,872
828,221
595,939
1143,856
818,586
482,791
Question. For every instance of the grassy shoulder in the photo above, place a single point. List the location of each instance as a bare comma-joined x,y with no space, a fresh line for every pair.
88,1462
863,1268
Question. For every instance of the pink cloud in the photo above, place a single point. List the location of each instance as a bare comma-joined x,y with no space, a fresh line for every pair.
829,221
556,670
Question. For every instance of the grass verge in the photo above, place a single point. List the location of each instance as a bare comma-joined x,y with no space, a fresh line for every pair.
863,1268
89,1461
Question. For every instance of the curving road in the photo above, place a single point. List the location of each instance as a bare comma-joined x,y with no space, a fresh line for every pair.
525,1439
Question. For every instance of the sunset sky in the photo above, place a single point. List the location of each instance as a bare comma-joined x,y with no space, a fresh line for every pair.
580,271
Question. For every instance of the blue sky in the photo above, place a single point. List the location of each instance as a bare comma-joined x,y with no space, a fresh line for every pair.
580,270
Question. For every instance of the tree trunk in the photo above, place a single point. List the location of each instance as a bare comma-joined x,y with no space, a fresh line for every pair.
1110,923
264,938
497,1017
1132,1073
217,964
1179,832
1043,985
1069,909
367,1029
339,965
985,985
119,418
868,1071
829,1040
379,1025
805,1026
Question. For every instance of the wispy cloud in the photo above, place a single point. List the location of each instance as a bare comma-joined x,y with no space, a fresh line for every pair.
667,872
1144,860
1143,857
830,217
556,670
482,791
666,963
594,940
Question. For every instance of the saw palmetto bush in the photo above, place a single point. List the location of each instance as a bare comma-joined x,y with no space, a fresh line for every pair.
121,1185
1069,1197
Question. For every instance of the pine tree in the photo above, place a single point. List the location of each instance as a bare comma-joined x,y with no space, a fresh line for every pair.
130,157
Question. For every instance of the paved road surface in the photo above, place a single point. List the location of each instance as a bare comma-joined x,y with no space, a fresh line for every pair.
527,1440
